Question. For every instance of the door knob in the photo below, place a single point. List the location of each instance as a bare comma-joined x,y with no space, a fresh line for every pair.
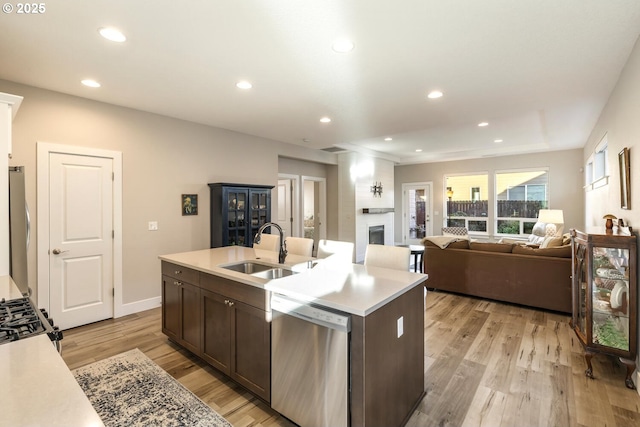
58,251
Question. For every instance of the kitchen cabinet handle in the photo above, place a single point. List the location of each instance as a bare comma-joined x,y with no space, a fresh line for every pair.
177,283
226,302
231,303
177,272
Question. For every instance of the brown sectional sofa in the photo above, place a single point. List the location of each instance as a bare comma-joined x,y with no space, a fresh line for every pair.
512,273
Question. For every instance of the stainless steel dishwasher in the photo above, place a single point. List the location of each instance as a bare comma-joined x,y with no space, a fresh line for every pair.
309,363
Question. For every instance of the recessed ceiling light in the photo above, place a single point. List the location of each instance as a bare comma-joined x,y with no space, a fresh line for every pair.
483,124
325,120
112,34
244,85
419,150
388,138
434,94
342,46
90,83
497,141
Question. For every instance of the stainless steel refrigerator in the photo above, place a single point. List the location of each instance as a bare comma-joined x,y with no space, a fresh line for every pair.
19,228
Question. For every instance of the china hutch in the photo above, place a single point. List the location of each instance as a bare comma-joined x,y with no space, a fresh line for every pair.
237,211
604,277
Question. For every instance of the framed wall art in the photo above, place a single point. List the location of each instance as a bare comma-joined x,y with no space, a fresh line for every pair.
625,179
189,204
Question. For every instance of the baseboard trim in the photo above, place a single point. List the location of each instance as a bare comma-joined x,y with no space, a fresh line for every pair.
138,306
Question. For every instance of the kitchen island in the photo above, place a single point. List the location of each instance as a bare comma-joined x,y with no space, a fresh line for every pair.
224,317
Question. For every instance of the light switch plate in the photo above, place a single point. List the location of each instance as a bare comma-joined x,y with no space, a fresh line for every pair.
400,326
153,225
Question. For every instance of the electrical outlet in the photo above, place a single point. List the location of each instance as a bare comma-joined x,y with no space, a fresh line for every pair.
400,326
153,225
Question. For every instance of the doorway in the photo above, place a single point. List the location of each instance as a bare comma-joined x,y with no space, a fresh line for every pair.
314,211
79,193
417,211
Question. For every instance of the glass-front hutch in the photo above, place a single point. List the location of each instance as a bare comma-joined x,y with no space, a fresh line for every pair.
237,211
605,295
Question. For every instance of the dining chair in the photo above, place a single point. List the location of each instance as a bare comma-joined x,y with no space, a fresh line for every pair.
335,248
299,246
268,242
394,257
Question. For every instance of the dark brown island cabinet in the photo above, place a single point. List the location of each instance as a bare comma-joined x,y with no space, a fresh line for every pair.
221,321
605,295
237,211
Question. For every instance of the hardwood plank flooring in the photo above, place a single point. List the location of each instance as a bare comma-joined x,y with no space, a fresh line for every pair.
486,364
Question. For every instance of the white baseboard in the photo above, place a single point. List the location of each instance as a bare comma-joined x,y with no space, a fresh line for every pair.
138,306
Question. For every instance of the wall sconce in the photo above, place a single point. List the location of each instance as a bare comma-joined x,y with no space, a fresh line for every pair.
376,189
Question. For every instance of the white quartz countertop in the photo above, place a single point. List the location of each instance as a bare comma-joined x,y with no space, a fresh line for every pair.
352,288
39,389
8,289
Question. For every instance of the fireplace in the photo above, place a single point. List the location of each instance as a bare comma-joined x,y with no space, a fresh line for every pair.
376,234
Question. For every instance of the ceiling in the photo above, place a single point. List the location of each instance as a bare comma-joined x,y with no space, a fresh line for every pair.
538,71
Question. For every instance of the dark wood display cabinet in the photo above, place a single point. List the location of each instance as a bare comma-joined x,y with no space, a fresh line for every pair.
604,278
237,211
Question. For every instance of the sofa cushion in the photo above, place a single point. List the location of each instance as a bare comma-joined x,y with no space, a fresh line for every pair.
491,247
558,252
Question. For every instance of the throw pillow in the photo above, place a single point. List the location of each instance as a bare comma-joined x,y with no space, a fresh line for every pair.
551,242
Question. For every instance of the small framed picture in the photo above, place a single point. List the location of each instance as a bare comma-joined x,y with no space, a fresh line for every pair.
189,204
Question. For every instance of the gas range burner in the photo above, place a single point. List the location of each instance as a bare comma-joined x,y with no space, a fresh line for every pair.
19,318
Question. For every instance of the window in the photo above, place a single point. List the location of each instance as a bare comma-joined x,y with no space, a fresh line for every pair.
464,205
519,197
597,169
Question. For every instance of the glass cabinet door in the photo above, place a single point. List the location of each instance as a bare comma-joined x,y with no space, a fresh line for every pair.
610,297
580,314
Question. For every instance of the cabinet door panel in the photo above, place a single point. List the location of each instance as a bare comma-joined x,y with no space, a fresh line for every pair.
216,331
171,322
191,317
251,351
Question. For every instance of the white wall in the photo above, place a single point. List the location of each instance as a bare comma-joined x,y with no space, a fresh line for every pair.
162,159
620,121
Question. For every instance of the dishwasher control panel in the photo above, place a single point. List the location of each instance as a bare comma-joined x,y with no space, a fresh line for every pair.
310,312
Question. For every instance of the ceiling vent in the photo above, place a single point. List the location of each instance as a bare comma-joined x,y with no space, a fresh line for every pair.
334,150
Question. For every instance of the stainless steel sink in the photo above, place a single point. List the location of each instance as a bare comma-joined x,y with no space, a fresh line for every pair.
248,267
260,270
274,273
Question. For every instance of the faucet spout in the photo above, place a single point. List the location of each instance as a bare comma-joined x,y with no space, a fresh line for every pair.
282,253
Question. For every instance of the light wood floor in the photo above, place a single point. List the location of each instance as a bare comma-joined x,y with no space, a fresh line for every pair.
486,364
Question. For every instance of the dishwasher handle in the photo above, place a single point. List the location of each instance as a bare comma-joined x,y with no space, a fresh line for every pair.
311,313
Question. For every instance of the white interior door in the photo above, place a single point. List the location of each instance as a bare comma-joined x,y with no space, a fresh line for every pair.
417,211
285,214
80,239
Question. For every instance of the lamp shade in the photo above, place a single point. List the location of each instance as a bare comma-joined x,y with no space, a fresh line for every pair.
554,220
551,216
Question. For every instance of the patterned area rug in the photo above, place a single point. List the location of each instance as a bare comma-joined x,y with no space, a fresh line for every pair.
129,389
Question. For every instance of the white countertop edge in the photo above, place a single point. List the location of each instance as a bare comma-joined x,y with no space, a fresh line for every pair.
41,388
274,287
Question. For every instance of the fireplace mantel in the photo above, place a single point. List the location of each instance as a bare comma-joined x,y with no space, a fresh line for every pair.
377,210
